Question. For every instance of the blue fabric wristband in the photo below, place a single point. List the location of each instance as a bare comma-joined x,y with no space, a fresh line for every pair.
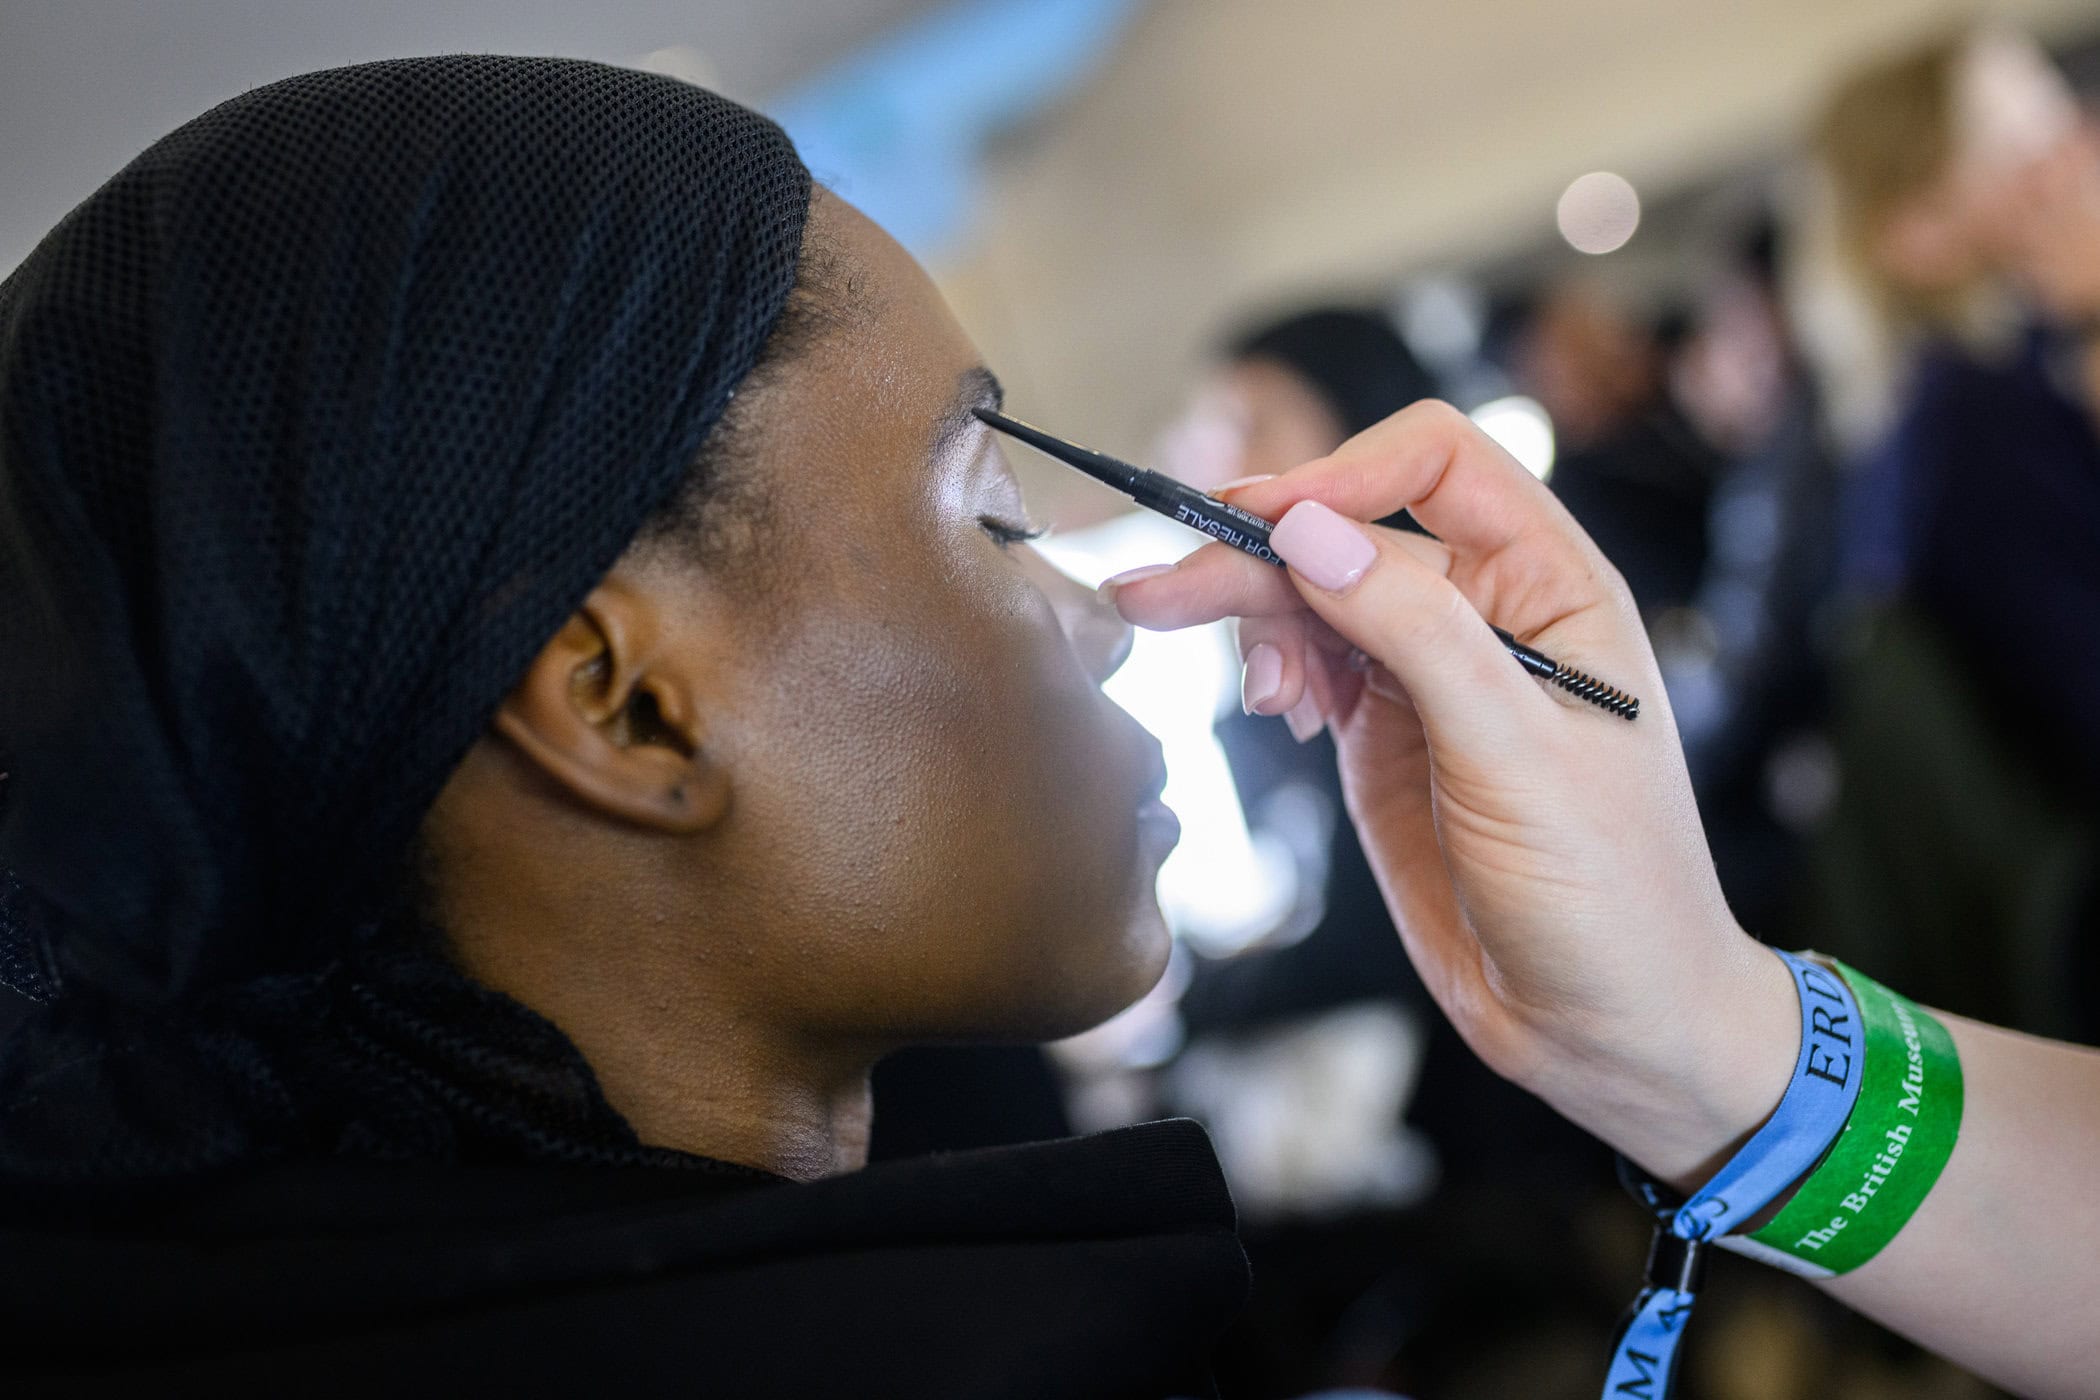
1810,1116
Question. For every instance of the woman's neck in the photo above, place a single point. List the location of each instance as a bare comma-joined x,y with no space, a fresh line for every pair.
689,1068
743,1107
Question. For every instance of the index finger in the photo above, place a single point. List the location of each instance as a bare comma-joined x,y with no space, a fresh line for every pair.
1432,460
1219,581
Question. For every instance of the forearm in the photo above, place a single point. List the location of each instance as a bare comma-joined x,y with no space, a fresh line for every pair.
2000,1268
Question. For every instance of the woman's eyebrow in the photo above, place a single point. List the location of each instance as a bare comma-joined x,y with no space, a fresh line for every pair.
975,388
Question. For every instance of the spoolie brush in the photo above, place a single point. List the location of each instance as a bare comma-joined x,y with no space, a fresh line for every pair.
1580,684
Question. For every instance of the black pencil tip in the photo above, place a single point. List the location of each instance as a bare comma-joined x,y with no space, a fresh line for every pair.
1098,465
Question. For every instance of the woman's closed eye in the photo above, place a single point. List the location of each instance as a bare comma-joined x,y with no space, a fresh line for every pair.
1007,533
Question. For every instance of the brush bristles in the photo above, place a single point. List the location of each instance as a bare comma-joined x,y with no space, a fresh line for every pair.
1588,687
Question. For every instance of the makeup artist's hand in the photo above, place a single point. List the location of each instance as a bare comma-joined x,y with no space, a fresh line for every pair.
1544,863
1543,859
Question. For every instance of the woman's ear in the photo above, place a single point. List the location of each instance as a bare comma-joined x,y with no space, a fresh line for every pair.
611,714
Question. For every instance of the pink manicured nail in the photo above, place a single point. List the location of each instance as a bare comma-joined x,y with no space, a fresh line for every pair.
1109,586
1261,679
1237,482
1304,718
1330,551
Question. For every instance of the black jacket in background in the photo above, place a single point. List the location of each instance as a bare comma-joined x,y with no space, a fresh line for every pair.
1094,1267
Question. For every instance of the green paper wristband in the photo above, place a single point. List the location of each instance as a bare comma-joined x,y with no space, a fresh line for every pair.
1899,1137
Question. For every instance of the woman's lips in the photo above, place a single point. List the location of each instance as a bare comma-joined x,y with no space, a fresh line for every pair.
1159,830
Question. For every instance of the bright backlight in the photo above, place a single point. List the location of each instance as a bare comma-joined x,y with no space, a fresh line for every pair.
1520,424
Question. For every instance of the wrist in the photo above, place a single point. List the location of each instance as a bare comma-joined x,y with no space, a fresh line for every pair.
1704,1076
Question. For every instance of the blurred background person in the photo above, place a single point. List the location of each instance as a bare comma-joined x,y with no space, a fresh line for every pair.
1747,658
1748,669
1965,199
1628,464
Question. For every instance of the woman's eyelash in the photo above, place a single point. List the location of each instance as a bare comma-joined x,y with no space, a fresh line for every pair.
1006,533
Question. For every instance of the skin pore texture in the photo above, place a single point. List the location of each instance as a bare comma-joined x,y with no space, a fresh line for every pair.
748,824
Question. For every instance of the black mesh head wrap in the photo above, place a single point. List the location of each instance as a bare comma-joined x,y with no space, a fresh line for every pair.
315,423
1352,358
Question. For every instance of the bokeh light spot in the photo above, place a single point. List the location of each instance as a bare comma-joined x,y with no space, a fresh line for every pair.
1598,212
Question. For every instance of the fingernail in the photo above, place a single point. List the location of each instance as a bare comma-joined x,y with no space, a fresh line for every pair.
1237,482
1261,679
1328,550
1109,586
1305,719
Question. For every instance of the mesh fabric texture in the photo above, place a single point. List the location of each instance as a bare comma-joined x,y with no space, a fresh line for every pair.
318,419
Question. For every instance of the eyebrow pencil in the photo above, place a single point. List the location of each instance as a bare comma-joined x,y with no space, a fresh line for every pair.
1249,533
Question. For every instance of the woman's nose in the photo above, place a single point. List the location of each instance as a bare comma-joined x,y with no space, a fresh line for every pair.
1098,634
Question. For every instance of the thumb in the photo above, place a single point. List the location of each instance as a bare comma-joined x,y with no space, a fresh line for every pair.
1389,593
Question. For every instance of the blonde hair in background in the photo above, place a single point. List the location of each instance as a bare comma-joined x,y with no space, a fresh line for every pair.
1850,345
1889,133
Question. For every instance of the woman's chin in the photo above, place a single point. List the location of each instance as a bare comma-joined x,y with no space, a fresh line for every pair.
1115,979
1150,936
1147,947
